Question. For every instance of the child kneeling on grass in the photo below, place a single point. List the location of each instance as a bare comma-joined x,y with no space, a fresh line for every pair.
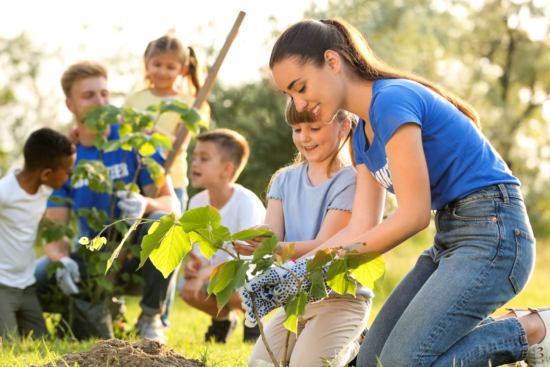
309,202
49,159
219,157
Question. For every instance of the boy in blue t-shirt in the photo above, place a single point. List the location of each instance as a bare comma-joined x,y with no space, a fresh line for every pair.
85,84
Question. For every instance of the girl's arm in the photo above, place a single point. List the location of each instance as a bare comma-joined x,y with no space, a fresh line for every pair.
334,221
409,173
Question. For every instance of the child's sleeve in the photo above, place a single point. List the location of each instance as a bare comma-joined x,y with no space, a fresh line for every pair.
275,189
343,200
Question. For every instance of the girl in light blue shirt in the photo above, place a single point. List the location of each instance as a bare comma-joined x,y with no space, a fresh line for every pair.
308,202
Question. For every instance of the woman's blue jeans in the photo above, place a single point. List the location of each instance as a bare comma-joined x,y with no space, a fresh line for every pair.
482,256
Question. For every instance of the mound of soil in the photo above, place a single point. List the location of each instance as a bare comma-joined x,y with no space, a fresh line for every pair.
120,353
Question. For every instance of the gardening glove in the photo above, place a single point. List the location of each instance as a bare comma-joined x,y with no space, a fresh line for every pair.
67,277
289,285
265,303
132,206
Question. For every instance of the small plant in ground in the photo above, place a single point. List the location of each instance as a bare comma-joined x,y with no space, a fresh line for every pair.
169,240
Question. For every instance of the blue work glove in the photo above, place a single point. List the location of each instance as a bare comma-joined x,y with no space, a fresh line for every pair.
68,276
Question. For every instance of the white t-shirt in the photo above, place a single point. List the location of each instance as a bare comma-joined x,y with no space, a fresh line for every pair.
20,214
244,209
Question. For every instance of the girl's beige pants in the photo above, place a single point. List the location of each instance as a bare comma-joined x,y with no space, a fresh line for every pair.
327,332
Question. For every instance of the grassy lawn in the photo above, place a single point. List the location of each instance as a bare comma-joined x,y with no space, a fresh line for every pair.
188,326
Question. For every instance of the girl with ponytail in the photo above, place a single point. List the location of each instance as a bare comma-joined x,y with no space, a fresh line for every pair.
425,145
308,202
166,59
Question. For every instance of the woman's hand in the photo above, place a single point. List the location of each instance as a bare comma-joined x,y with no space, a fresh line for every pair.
254,244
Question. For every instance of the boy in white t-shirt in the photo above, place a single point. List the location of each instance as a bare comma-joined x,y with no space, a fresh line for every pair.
219,157
49,159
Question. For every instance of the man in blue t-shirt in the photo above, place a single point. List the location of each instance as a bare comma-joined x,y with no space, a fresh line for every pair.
85,84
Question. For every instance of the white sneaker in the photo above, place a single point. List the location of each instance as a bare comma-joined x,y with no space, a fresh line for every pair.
539,354
151,327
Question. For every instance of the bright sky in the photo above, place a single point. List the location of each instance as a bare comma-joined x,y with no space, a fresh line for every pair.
60,23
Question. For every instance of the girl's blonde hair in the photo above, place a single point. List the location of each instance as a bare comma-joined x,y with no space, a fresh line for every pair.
308,40
187,56
294,117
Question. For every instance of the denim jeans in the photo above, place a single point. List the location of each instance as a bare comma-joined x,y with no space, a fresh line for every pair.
482,256
156,288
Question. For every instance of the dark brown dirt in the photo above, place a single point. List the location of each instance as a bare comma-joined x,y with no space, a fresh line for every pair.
120,353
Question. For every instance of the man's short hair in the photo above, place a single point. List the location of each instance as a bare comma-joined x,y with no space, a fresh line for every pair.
81,70
45,148
233,147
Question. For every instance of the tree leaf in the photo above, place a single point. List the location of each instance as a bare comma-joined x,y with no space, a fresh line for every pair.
174,246
246,235
192,116
268,247
206,247
59,200
262,265
154,236
116,252
322,257
339,280
121,227
111,146
221,276
317,287
368,267
147,149
238,281
295,306
288,253
200,218
163,141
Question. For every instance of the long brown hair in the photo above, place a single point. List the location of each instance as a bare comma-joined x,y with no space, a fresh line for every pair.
294,117
308,40
187,56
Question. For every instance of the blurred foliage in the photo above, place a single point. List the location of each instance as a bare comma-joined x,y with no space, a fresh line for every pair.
486,57
25,102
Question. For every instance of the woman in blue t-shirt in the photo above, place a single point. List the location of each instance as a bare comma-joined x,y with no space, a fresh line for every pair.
425,145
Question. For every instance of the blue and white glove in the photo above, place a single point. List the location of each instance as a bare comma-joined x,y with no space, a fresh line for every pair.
272,288
132,206
68,276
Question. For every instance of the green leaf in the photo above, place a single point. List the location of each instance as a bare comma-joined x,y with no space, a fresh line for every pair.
339,279
121,227
163,141
147,149
194,129
322,257
154,236
206,247
174,246
58,200
217,236
221,276
125,276
111,146
103,282
116,252
288,253
192,117
97,243
268,247
262,265
317,287
295,306
202,217
247,235
368,267
100,142
238,281
124,129
138,279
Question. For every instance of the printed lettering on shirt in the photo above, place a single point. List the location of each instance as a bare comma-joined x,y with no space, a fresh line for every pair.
383,176
116,171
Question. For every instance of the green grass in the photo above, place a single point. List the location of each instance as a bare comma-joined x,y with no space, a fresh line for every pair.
188,325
